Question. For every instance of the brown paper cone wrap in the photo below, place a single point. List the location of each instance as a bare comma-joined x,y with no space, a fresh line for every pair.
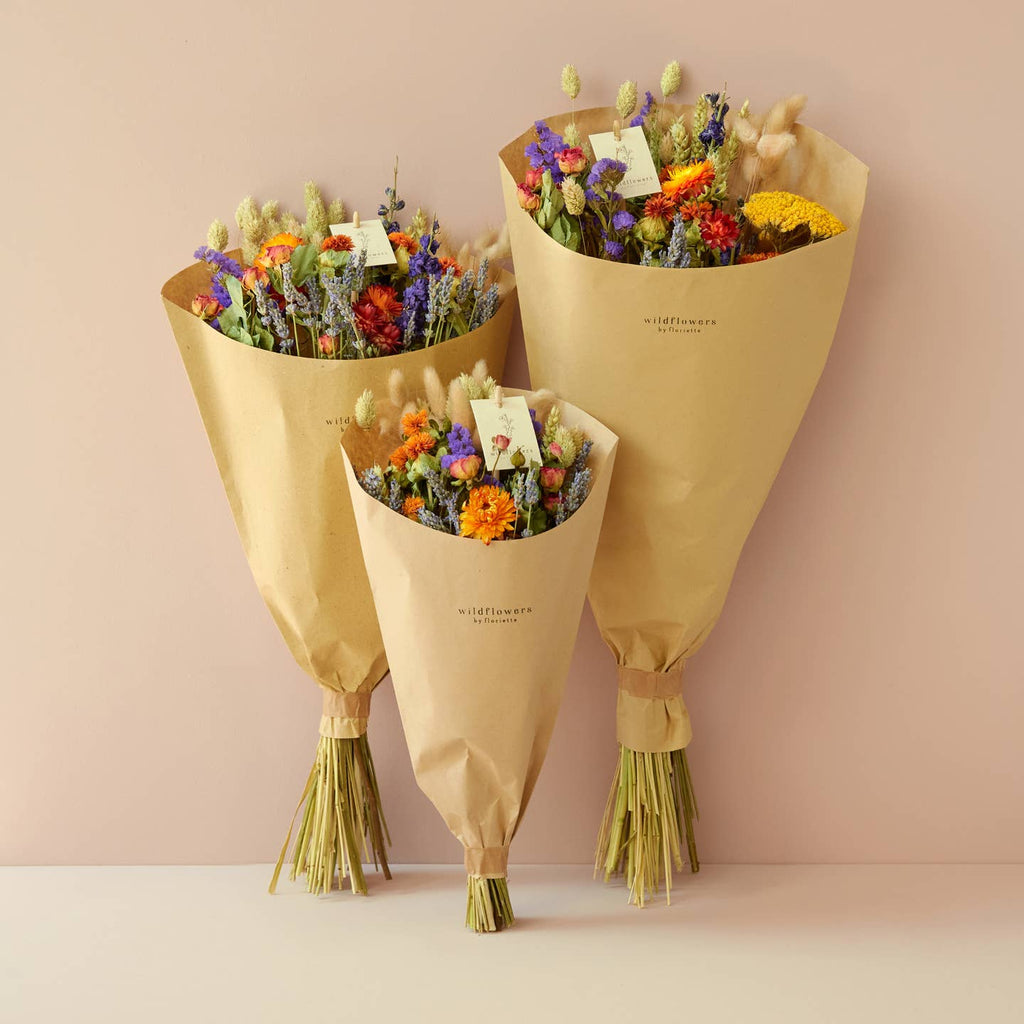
479,639
274,422
705,375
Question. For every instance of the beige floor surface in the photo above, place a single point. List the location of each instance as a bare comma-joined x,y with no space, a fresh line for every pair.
822,944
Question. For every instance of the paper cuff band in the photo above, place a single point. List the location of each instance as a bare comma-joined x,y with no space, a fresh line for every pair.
344,714
638,683
489,862
650,716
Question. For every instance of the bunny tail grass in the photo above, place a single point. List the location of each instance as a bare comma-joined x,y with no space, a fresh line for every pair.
342,821
650,809
488,908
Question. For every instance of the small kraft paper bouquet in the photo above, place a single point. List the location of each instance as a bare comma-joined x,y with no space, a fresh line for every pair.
703,254
478,512
278,339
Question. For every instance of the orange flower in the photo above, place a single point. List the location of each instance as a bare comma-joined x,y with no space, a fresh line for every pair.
448,261
413,422
206,307
399,457
659,207
277,250
411,508
337,243
419,443
487,513
756,257
254,276
384,297
694,210
686,181
400,240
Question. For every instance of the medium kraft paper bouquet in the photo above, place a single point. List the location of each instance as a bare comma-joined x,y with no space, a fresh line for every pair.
279,339
704,256
478,522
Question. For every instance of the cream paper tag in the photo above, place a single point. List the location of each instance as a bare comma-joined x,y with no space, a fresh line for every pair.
371,236
631,148
505,430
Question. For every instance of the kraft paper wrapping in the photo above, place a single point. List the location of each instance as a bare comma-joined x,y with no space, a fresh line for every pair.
705,375
274,422
479,639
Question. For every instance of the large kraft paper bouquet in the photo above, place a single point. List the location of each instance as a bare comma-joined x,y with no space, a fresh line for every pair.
702,255
278,340
479,573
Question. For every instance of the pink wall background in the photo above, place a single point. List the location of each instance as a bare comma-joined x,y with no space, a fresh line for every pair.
861,698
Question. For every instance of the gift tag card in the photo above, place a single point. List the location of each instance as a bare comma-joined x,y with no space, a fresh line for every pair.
505,430
631,148
371,236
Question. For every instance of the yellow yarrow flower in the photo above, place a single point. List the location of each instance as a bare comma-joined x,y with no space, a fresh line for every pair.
785,212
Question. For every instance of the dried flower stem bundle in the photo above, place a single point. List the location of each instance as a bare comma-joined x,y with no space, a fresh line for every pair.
342,821
488,907
649,815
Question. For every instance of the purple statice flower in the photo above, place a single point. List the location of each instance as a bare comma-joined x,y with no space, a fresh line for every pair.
640,118
225,265
725,257
538,427
623,220
614,250
217,259
460,444
218,291
607,173
490,480
542,154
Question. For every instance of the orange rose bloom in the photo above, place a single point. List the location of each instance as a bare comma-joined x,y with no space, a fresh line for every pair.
414,422
277,250
411,508
686,181
487,513
756,257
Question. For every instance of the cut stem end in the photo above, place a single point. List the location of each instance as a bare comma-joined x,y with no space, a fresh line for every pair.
342,820
647,820
488,907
